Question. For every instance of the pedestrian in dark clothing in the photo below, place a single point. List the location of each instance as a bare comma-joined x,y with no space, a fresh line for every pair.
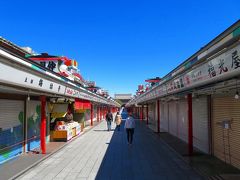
129,126
109,119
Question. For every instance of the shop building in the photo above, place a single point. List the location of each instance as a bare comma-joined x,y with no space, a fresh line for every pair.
198,101
31,96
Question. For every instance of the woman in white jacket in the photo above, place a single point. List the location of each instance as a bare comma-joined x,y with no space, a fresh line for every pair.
129,126
118,120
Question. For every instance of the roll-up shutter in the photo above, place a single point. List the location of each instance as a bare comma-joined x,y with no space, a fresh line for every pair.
226,129
33,124
173,117
164,116
94,113
183,120
87,117
151,116
144,113
11,128
200,124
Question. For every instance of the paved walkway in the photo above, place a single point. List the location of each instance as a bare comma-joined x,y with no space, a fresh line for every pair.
103,155
15,166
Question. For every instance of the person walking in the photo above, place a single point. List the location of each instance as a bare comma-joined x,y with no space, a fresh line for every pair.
129,126
118,120
109,119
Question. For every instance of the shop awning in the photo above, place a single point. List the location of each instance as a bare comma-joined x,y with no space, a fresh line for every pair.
81,104
153,80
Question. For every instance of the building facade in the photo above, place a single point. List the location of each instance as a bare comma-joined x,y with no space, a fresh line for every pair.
198,101
32,96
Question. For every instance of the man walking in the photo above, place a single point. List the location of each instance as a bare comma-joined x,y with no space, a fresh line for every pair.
129,126
109,119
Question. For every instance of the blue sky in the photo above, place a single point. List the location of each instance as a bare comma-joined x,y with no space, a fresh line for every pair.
118,44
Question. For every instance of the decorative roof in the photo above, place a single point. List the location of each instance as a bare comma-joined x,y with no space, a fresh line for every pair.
13,47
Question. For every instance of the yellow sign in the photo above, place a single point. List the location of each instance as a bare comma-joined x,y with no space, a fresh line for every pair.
58,114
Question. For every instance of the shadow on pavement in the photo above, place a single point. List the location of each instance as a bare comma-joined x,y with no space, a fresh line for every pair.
119,158
147,158
207,165
98,130
111,160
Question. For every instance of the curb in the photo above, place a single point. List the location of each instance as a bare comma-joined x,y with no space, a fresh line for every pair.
47,156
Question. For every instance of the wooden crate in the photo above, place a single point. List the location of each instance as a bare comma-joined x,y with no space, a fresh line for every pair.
60,135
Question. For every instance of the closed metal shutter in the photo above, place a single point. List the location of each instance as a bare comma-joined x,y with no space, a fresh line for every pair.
164,116
151,116
11,128
88,117
226,129
33,124
173,114
94,113
183,120
145,113
200,124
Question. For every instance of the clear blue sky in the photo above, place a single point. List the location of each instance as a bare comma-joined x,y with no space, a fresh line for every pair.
121,43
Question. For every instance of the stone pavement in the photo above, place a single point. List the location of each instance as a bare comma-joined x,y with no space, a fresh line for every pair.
23,162
103,155
15,166
208,165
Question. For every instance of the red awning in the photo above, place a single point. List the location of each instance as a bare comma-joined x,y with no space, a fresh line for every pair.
82,104
152,80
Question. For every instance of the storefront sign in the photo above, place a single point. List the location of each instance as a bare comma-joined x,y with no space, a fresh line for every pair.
71,92
14,76
28,80
224,66
82,95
